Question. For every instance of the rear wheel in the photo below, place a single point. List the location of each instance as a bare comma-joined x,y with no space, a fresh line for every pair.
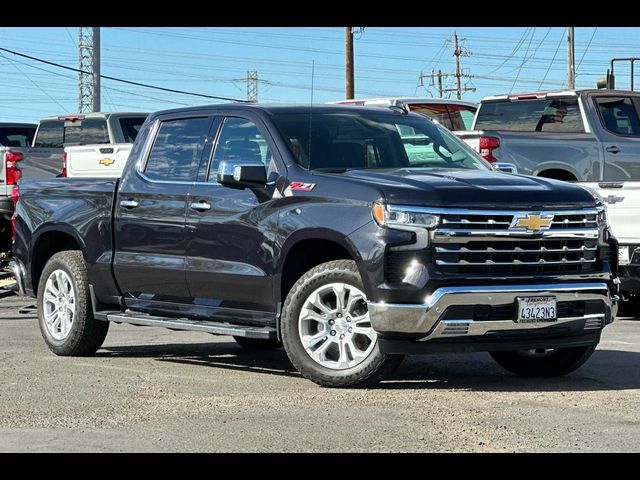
544,362
65,315
326,330
257,343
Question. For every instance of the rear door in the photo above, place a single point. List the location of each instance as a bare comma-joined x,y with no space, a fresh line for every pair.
618,123
150,212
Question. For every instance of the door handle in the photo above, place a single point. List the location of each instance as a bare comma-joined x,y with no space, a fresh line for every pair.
128,203
613,149
200,206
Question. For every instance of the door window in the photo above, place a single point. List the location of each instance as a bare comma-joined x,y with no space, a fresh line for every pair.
177,149
239,141
618,115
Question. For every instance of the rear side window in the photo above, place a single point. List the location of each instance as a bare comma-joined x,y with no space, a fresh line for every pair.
618,115
559,115
130,127
451,116
177,149
16,137
50,134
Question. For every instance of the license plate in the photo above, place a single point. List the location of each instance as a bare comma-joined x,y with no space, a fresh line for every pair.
623,255
537,309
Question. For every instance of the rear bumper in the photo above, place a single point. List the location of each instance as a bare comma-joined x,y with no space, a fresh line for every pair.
426,327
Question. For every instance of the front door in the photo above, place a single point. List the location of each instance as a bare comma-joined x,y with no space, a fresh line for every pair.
620,125
150,210
230,254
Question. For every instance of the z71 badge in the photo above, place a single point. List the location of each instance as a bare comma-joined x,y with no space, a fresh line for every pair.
107,161
301,186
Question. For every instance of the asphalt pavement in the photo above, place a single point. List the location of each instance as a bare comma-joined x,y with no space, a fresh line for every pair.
156,390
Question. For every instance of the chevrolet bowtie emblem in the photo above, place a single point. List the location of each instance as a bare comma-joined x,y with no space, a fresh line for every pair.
107,161
532,223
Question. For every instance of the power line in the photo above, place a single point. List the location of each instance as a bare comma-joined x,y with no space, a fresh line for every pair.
533,32
129,82
37,86
553,59
585,50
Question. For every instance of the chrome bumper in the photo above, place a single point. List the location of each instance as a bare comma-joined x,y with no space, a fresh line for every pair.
426,318
18,272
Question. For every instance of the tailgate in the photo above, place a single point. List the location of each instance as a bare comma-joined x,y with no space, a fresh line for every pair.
97,161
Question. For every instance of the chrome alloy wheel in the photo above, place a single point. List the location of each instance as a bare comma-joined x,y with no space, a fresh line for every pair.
59,304
334,326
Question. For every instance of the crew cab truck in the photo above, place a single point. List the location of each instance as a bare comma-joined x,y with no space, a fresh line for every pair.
588,136
311,228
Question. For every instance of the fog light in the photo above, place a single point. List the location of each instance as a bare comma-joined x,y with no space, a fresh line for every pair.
416,274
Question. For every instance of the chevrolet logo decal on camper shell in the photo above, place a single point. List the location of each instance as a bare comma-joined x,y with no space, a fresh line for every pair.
107,161
531,223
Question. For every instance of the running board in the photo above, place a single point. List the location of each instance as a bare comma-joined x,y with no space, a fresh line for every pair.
194,325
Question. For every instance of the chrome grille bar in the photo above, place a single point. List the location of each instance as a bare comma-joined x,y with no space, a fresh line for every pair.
518,250
564,261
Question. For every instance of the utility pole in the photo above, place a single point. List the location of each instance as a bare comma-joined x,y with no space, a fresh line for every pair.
89,66
348,35
571,62
457,52
252,86
460,90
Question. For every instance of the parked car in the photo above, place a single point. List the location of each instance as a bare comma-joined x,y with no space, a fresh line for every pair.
456,115
586,136
324,236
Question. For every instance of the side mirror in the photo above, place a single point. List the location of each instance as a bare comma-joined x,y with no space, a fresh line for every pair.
505,167
242,175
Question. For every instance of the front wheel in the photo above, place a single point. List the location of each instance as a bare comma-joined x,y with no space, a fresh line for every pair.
544,362
326,330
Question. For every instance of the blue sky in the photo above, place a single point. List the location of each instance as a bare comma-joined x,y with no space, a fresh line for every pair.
215,61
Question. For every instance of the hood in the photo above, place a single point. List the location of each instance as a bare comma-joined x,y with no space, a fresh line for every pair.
473,189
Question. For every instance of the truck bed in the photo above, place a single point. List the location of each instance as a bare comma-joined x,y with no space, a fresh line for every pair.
84,205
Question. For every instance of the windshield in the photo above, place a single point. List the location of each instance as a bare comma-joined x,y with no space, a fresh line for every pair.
346,141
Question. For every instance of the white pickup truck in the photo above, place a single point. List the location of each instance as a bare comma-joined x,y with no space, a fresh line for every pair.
104,159
588,136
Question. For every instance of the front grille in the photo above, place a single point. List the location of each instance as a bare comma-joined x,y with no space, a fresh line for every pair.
501,221
497,243
517,256
485,313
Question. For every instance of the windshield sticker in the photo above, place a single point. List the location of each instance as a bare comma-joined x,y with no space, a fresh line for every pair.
301,186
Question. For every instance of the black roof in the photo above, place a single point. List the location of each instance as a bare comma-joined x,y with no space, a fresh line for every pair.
283,108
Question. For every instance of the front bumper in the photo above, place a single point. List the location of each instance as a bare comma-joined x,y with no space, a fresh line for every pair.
425,323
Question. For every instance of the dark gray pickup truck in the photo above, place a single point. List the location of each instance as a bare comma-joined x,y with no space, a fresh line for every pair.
324,231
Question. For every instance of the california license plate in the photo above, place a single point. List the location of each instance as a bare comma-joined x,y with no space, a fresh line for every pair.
623,255
537,309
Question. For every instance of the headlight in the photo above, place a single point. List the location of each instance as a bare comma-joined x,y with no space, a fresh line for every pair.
395,216
602,216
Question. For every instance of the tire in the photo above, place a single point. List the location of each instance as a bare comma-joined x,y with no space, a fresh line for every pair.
348,358
74,331
257,344
550,364
630,308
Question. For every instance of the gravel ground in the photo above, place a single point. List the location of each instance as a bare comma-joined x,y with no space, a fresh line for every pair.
154,390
